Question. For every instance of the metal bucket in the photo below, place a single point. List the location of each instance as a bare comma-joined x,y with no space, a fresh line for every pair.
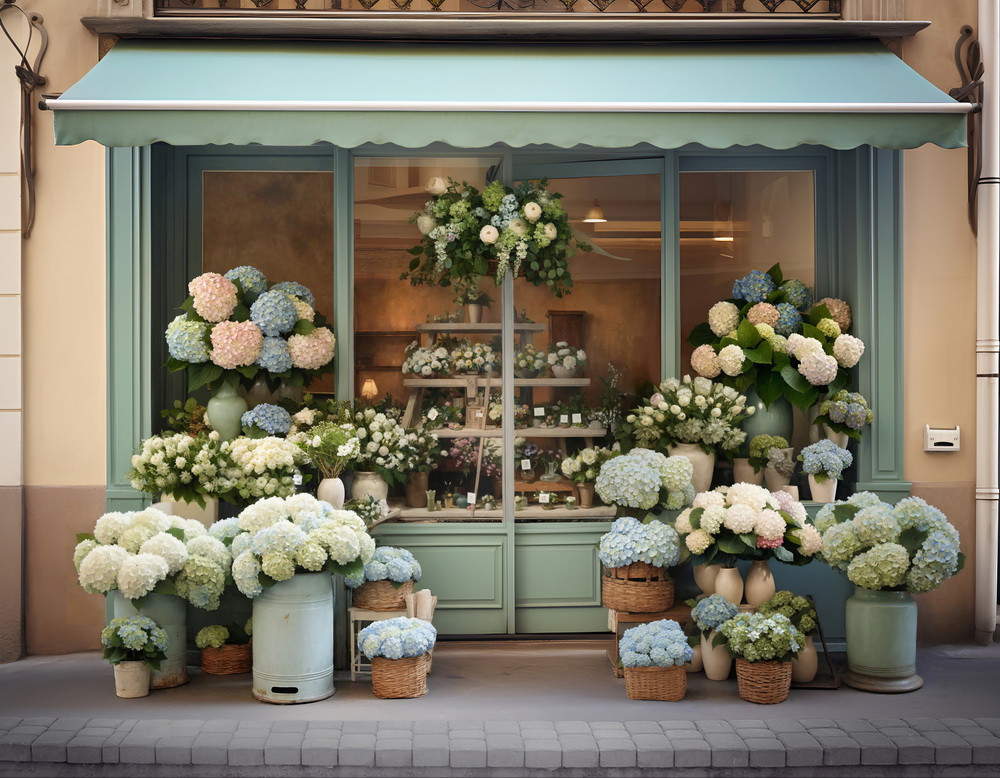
170,612
293,640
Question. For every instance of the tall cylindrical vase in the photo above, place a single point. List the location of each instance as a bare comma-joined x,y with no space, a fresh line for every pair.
705,575
170,612
367,482
331,490
822,492
416,490
774,420
704,464
225,410
475,311
293,640
882,642
586,492
192,510
744,473
729,584
760,583
717,660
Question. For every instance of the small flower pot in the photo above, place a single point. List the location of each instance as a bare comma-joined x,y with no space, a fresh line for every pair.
823,492
559,371
132,679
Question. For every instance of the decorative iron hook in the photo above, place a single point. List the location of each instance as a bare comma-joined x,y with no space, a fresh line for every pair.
30,77
971,69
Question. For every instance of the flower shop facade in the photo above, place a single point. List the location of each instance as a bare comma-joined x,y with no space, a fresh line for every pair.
673,194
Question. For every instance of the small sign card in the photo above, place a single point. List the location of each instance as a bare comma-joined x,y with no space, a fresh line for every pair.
540,411
564,418
544,498
578,418
471,498
526,464
297,479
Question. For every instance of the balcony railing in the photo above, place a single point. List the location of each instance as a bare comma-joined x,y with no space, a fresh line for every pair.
826,9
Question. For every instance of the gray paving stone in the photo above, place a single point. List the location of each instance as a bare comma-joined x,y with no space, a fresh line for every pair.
220,725
692,752
397,725
32,731
537,725
151,726
883,723
84,750
705,727
34,721
173,750
949,748
246,752
211,748
542,754
612,734
894,732
985,750
467,734
974,731
756,734
539,734
573,727
579,750
643,728
327,725
926,725
319,753
992,724
504,749
357,749
502,728
839,750
674,726
393,753
609,725
72,723
360,727
283,748
431,750
430,727
110,754
801,749
728,749
455,725
784,725
951,722
684,734
818,732
138,748
748,724
113,723
468,752
15,750
617,752
653,751
290,726
876,748
91,731
51,746
914,750
393,734
817,723
855,725
765,752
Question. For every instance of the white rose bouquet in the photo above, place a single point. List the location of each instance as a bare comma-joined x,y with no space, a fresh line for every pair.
329,446
381,439
146,552
427,362
529,362
470,357
419,451
180,467
584,466
561,354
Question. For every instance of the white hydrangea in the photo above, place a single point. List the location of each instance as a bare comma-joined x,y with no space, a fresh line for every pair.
246,570
173,551
83,548
740,519
757,497
708,499
712,519
848,349
99,570
110,526
723,317
770,525
214,549
805,346
818,368
683,522
152,518
139,574
809,538
731,360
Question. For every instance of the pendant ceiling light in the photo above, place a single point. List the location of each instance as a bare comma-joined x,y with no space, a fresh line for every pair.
595,214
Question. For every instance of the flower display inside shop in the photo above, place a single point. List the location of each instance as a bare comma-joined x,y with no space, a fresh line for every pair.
771,337
427,361
760,450
824,460
381,438
907,547
274,538
655,644
371,510
712,612
186,467
629,540
798,609
584,466
846,412
266,419
236,328
446,414
389,564
744,521
330,447
470,357
757,637
522,230
262,467
419,451
464,454
561,354
144,552
529,362
689,410
398,638
644,479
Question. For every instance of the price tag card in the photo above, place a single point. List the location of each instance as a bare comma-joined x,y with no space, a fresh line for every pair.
578,418
540,410
297,479
471,497
526,464
564,418
479,414
544,498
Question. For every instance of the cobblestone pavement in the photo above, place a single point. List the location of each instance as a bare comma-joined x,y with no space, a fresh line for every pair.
59,716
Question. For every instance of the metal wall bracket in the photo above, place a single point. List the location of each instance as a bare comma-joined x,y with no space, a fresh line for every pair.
969,61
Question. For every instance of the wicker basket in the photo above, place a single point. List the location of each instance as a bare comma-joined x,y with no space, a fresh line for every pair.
381,596
637,588
399,678
227,660
763,682
656,683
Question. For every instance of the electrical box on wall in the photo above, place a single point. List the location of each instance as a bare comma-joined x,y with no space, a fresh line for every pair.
942,438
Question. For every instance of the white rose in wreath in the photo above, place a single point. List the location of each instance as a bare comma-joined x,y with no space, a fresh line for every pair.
518,227
532,211
437,186
489,234
425,223
550,231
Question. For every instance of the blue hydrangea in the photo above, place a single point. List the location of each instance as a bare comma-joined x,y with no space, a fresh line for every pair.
754,287
225,529
249,278
797,294
274,312
630,482
296,289
680,499
712,611
655,644
389,564
274,356
629,541
272,419
186,340
397,638
789,319
825,457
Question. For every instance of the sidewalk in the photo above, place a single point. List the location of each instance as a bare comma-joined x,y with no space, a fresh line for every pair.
499,709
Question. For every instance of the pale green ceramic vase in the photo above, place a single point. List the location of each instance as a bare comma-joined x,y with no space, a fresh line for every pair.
225,410
882,642
776,420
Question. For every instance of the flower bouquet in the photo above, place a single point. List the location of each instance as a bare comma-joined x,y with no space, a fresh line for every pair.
381,439
708,614
526,455
180,467
474,358
399,650
763,646
266,419
824,462
419,453
636,557
464,454
845,413
225,650
133,645
654,655
584,466
521,230
772,455
447,414
759,339
330,447
385,581
262,467
236,327
529,362
565,360
645,479
427,362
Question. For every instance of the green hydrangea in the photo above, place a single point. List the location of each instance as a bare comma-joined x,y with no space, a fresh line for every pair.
881,567
759,637
840,544
829,327
794,607
875,525
761,444
311,556
214,636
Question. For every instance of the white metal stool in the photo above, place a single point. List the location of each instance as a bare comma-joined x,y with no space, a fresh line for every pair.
361,618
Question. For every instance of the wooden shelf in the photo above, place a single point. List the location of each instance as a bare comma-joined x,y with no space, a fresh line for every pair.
459,382
601,513
482,328
385,333
523,432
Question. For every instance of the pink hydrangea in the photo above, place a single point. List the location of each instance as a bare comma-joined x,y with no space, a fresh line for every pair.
236,343
818,368
763,313
840,311
769,542
215,296
705,361
312,351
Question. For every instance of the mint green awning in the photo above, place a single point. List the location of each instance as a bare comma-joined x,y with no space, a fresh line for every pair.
840,94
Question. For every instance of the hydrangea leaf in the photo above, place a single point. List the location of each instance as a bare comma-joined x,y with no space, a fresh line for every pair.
776,275
761,354
818,313
795,380
747,335
303,327
701,335
82,536
749,539
809,331
768,386
729,544
177,532
845,512
912,539
783,554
